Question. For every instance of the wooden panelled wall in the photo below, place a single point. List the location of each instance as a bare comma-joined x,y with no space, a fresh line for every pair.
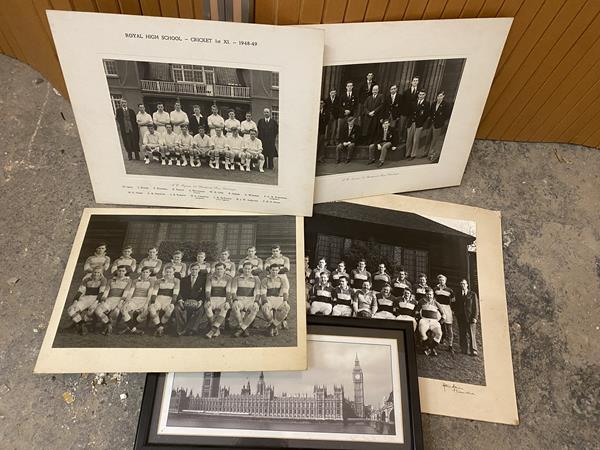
547,85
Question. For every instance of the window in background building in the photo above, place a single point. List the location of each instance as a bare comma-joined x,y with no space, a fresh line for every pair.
275,80
275,112
110,68
115,100
141,236
194,74
238,237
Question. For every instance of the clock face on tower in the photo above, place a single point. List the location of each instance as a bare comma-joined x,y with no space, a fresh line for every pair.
357,377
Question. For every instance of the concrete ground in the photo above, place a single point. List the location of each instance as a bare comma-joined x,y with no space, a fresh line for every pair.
549,196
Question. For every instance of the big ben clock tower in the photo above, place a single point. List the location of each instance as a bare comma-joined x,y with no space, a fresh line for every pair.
359,390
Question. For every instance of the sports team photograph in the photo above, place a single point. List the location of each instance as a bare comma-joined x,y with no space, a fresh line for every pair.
377,263
385,115
196,121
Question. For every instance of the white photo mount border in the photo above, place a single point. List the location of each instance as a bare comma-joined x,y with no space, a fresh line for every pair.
479,41
103,36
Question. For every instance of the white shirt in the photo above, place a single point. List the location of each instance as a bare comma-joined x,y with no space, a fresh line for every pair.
215,121
246,126
143,120
235,143
202,142
152,139
185,141
231,123
180,117
169,139
160,120
218,142
253,145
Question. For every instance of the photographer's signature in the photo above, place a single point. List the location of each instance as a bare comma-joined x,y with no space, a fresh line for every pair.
456,389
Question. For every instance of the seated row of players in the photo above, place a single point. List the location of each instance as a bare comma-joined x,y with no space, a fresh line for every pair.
381,296
182,148
209,293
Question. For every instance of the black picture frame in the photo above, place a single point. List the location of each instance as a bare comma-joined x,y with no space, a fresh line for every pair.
147,438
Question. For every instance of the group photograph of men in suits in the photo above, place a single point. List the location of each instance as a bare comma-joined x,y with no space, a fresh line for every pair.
196,121
385,115
195,282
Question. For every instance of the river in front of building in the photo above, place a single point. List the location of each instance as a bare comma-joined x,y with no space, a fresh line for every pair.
202,421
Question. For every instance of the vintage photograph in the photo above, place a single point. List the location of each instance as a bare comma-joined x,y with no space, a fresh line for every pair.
183,280
347,393
383,264
382,115
196,121
400,103
434,265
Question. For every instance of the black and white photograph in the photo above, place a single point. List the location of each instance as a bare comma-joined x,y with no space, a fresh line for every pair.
434,265
196,121
184,280
375,263
360,388
176,112
382,115
400,103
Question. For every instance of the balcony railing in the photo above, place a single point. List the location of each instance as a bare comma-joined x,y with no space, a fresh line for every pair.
190,88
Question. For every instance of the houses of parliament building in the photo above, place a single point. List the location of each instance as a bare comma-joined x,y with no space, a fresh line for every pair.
263,403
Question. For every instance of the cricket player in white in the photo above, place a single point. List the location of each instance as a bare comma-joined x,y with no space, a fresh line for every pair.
178,118
245,295
161,119
144,120
185,142
248,125
231,123
214,121
151,145
252,152
200,147
218,147
234,150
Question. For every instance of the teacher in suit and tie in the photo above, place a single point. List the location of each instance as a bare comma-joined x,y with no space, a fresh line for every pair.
128,127
188,310
372,110
466,310
268,129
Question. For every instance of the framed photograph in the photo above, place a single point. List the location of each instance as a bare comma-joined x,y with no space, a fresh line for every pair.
435,265
401,102
359,391
152,290
193,113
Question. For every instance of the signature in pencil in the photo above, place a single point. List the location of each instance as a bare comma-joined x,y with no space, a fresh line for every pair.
456,389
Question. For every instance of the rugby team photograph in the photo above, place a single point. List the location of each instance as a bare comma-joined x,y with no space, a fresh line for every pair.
196,121
183,281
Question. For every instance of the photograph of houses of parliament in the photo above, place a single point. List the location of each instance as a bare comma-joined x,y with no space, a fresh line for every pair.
329,406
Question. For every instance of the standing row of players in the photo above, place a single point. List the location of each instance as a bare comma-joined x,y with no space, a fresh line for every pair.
383,296
251,294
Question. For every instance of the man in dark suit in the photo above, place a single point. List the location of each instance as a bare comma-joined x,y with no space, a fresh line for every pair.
392,106
348,105
128,128
408,99
372,110
348,136
268,129
366,89
382,143
189,310
438,115
416,119
197,120
466,310
334,112
323,122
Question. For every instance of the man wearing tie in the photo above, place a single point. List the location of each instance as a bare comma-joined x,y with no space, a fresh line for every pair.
188,309
466,309
268,129
409,98
383,143
372,107
348,104
416,119
367,88
197,120
392,106
333,112
439,115
348,136
128,128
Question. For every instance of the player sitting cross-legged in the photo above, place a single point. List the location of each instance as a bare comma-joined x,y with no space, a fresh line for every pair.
245,295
